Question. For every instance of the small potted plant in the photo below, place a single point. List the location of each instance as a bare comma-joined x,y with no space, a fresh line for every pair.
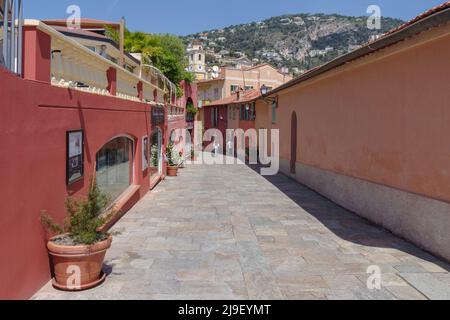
78,250
181,160
172,161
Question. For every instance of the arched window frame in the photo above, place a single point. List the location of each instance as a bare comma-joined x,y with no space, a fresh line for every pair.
133,177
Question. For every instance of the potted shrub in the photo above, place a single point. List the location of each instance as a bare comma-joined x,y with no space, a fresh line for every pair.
172,161
78,250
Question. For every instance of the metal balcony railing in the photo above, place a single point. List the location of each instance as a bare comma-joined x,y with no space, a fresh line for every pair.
156,77
11,27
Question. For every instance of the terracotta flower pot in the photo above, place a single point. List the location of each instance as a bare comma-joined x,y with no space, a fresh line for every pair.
78,267
172,171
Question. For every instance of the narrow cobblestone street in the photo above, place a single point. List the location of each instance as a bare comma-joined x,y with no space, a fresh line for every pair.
225,232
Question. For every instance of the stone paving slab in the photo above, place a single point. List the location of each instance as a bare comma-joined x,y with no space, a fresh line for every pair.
225,232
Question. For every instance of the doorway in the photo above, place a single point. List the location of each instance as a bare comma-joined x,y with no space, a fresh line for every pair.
156,157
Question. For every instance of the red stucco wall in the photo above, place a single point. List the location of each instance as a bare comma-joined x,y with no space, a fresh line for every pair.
34,119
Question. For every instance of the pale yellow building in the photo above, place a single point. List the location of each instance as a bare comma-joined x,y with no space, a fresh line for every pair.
229,80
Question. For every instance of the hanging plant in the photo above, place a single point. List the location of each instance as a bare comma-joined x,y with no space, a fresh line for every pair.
190,108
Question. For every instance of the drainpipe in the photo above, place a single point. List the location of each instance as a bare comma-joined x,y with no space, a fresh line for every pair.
122,42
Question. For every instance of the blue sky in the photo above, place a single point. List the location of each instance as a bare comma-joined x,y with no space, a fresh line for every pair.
182,17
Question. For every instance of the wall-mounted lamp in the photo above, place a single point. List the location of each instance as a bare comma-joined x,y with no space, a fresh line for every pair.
264,91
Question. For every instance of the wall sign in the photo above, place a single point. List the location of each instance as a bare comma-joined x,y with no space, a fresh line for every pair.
75,156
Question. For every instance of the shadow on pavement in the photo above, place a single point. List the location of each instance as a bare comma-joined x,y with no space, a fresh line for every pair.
344,223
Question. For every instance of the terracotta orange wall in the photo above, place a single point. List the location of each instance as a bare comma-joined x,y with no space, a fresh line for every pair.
264,120
33,124
384,118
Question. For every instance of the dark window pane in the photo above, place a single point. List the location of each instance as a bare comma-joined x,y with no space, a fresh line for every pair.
114,167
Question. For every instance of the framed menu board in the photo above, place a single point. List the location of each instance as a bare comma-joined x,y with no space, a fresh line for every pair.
75,156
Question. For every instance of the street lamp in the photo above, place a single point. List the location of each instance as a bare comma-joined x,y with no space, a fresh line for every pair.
264,91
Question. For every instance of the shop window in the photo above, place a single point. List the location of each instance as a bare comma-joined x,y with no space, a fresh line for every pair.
156,157
114,169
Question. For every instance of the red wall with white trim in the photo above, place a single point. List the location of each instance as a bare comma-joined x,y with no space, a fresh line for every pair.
384,118
34,118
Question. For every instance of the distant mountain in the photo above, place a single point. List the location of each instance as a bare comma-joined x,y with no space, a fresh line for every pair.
299,41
